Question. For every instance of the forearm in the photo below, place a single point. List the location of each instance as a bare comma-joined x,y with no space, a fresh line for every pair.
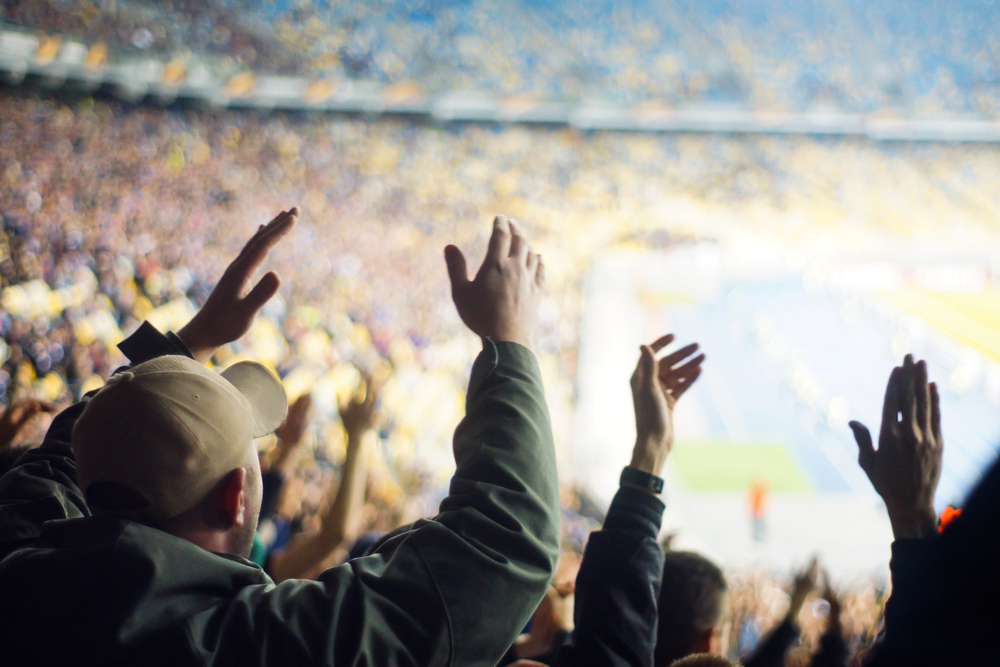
832,650
503,507
308,551
337,522
615,611
771,651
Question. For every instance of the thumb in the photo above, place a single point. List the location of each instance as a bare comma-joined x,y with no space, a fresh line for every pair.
458,272
263,291
866,451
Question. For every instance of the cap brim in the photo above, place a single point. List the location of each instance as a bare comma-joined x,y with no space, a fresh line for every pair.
263,390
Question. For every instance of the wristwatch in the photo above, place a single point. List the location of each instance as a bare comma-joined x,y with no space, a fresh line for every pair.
651,483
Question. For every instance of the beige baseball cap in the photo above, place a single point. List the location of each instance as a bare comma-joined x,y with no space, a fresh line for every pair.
158,437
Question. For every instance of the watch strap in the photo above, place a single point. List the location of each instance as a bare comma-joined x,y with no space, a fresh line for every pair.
641,479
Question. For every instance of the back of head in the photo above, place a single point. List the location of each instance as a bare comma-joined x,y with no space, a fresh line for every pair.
691,597
155,439
704,660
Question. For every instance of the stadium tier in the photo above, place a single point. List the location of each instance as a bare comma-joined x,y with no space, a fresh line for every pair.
837,67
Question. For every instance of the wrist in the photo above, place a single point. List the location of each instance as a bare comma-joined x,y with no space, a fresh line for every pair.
910,523
201,353
649,455
641,480
507,337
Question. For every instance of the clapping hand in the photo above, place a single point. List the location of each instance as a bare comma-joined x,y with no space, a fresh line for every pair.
656,388
234,303
501,302
906,467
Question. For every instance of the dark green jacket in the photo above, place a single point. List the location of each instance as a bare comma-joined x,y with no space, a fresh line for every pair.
453,590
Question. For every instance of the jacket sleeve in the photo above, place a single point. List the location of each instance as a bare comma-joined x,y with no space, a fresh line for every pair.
452,590
617,588
832,651
771,651
42,486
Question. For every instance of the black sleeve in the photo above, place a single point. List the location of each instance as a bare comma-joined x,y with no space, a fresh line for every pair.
832,651
618,586
771,651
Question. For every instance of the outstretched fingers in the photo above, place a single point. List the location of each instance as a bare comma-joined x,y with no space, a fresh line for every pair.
684,381
672,359
890,406
935,410
662,342
257,248
907,393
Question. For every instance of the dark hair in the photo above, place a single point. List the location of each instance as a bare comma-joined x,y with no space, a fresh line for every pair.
10,455
691,596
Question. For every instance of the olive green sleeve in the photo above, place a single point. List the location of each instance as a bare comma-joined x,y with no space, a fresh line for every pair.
452,590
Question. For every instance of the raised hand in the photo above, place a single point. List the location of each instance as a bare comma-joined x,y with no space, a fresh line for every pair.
802,585
235,301
656,388
501,302
906,467
17,417
831,597
294,427
357,413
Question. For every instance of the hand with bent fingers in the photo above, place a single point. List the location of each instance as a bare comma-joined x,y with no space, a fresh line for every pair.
501,302
906,467
656,388
296,422
234,303
17,416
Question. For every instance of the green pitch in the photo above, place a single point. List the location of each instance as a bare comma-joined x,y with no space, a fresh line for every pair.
727,466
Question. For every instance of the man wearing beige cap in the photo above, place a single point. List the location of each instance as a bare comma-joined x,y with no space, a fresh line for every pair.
123,537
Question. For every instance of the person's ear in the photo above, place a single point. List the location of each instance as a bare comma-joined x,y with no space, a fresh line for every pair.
704,642
227,506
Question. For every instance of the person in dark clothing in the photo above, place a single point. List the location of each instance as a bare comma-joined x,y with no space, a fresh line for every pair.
691,603
832,651
96,569
617,588
943,609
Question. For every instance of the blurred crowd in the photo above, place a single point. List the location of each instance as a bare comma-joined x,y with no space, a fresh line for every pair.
844,54
759,599
113,215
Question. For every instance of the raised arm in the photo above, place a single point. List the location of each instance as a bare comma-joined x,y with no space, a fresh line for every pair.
455,589
615,612
43,487
771,651
306,552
